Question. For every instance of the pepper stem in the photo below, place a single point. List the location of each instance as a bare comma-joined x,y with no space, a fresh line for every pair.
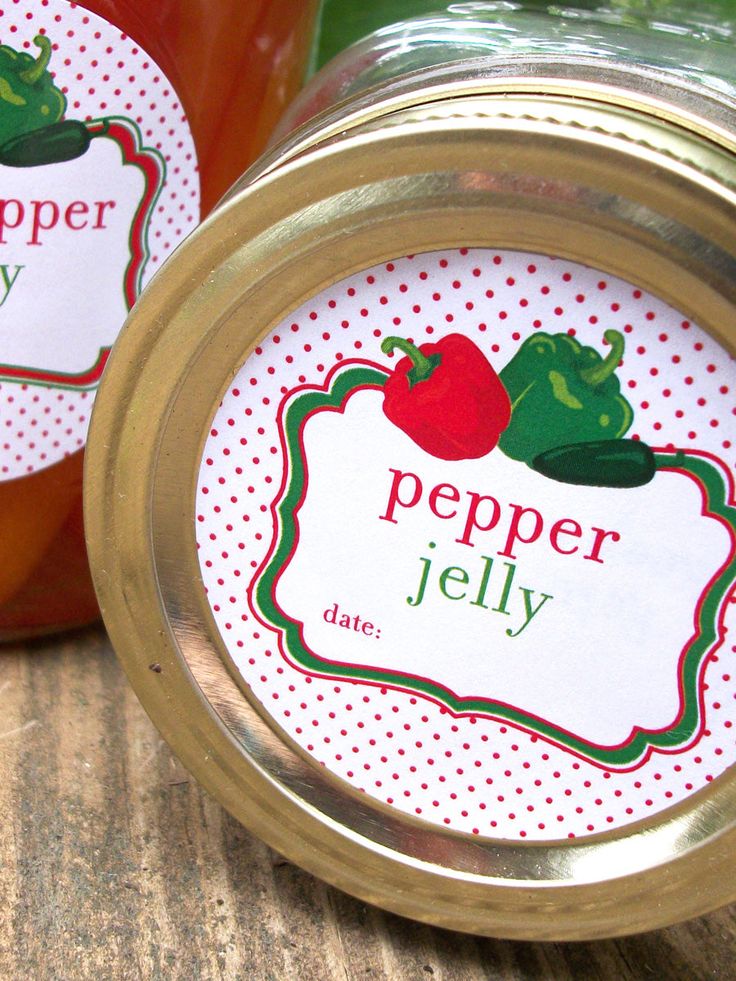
422,365
598,373
36,70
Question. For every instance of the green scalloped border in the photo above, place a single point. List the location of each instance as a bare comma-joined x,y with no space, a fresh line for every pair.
344,382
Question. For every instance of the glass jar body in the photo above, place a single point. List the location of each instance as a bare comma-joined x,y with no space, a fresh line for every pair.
233,67
692,43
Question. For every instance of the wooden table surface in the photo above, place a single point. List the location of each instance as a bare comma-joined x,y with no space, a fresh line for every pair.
115,864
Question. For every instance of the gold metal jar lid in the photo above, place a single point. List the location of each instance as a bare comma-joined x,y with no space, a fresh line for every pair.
411,661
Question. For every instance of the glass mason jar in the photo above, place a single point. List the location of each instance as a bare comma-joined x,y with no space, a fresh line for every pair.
120,123
419,537
690,38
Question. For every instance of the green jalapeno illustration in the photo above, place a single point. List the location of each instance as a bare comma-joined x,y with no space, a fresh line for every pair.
600,463
52,144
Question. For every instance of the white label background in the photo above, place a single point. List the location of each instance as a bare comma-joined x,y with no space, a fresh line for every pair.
476,774
599,641
68,294
42,334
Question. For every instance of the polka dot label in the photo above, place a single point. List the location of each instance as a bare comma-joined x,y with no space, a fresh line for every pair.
466,525
100,183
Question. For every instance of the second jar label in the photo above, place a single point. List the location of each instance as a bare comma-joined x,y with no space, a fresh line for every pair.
467,530
99,183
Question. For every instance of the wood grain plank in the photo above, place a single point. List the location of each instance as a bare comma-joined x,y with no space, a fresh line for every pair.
13,727
364,950
411,949
95,871
149,768
262,929
114,864
313,941
42,820
702,948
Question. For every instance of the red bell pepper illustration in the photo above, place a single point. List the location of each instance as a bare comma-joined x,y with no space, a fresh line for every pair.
446,397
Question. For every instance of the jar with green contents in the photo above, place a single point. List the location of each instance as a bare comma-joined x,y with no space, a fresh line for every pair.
634,30
694,42
423,494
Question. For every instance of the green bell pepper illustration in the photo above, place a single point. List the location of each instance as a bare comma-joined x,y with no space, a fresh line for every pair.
562,393
29,100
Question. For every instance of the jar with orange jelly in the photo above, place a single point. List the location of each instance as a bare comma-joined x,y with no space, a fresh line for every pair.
121,123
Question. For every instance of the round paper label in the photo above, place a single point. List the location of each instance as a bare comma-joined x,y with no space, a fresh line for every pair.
99,184
467,528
